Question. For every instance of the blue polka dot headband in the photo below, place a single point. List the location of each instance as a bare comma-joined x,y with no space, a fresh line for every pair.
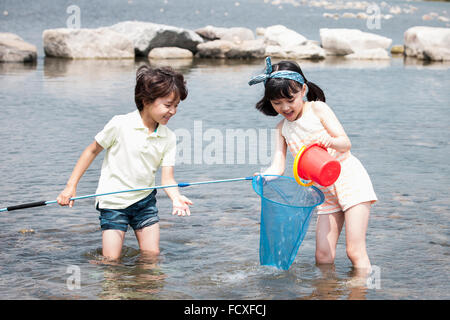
268,74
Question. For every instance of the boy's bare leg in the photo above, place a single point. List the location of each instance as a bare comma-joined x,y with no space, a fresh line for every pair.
148,239
112,242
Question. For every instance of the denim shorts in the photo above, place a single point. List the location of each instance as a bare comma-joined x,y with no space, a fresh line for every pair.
138,215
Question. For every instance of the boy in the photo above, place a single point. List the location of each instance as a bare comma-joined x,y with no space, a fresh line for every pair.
136,144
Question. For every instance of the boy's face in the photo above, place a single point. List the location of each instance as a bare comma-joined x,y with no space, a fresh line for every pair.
162,109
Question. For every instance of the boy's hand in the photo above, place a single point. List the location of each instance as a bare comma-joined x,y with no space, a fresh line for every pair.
64,197
181,206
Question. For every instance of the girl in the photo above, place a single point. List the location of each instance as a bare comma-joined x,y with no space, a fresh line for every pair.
136,144
308,119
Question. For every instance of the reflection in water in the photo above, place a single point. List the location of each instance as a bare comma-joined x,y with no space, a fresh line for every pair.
103,69
342,62
414,62
329,286
136,275
177,64
17,67
90,69
357,284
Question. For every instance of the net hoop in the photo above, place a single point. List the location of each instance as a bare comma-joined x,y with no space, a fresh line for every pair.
317,190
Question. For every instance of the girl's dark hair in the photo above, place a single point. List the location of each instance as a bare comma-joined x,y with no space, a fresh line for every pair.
278,88
154,83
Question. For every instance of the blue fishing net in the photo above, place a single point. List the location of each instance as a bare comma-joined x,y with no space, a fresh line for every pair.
286,210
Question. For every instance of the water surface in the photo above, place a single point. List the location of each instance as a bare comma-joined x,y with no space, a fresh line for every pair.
396,114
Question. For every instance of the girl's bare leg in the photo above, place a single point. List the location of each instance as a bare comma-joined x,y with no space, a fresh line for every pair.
356,221
328,228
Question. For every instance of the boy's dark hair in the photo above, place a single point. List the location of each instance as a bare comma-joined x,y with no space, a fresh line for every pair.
278,88
154,83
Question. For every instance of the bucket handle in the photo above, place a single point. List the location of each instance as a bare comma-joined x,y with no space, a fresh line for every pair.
295,168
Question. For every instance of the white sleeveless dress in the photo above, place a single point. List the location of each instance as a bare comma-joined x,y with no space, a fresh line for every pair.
353,185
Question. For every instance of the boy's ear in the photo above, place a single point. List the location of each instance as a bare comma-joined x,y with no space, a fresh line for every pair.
145,104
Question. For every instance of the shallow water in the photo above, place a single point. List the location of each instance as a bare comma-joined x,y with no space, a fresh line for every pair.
396,113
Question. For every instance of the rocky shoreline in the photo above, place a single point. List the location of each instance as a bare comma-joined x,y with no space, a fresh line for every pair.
130,39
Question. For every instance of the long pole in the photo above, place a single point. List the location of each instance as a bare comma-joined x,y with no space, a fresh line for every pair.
180,185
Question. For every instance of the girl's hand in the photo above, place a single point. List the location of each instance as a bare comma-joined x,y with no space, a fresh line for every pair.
64,197
259,175
181,206
325,140
266,176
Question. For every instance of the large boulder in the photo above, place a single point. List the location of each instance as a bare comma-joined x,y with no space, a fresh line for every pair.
236,34
428,43
279,35
14,49
146,36
101,43
349,41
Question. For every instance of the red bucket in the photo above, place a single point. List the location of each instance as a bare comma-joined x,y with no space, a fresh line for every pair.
316,164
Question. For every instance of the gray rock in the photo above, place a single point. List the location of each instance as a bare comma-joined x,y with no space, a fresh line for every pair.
310,50
428,43
248,49
279,35
397,49
236,34
285,43
221,49
214,49
170,53
348,41
14,49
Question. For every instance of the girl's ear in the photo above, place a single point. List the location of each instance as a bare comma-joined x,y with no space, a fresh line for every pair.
304,87
304,92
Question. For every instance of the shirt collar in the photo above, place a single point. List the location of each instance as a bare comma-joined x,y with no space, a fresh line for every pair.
161,130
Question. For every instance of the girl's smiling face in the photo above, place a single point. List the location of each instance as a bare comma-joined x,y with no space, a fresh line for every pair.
290,108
